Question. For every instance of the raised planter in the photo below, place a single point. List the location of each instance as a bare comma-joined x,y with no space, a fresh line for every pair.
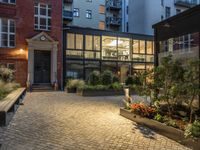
109,92
161,128
71,90
9,105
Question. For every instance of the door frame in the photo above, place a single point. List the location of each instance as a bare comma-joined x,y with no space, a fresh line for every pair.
43,42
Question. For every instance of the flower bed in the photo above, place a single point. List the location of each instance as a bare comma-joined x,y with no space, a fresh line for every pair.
161,128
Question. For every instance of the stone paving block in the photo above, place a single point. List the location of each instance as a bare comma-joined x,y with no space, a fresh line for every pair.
61,121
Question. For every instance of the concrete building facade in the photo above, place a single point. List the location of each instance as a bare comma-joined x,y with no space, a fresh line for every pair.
144,13
96,14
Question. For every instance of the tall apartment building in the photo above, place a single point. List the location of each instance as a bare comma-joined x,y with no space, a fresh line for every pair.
144,13
97,14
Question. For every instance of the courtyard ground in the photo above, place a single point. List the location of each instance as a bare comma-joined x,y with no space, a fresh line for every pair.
61,121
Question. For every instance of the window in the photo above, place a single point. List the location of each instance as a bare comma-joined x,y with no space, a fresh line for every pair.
167,12
101,25
149,47
88,14
101,9
109,48
76,12
8,1
70,41
88,42
88,0
127,9
162,2
123,49
42,16
92,47
7,33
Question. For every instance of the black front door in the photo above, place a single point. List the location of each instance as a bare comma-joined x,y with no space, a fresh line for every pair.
42,66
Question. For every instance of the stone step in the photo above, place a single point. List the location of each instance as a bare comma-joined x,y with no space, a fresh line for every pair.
42,88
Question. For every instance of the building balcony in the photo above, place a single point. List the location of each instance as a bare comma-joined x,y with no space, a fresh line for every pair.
68,1
67,15
114,5
113,21
182,54
186,3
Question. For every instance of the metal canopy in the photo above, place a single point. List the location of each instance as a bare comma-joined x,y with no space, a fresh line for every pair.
181,24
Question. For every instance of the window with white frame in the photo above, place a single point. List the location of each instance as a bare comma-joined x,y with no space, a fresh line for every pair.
7,32
42,16
76,12
8,1
88,14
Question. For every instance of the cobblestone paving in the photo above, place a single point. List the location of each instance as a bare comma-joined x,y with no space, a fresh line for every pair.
61,121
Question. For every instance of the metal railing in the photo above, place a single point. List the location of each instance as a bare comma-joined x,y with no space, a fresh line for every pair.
114,4
113,21
186,3
67,14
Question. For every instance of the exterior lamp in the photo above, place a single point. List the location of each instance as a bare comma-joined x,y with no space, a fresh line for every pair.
167,25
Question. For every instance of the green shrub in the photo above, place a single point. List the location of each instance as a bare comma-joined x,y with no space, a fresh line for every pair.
115,79
96,87
107,77
193,130
80,84
172,122
75,83
129,81
6,88
159,118
116,86
6,74
94,78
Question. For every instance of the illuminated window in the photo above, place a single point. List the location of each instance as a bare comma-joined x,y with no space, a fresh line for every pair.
70,41
149,47
79,41
124,49
109,48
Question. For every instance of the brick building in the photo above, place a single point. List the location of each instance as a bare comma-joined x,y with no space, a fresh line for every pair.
31,39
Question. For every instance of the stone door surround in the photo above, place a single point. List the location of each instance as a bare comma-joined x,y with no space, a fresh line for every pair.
43,42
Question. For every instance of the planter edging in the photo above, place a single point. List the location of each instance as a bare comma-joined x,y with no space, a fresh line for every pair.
108,92
170,132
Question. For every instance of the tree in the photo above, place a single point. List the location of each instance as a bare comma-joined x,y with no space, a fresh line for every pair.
191,85
168,77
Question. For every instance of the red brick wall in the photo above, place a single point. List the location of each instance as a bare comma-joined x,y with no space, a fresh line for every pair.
23,13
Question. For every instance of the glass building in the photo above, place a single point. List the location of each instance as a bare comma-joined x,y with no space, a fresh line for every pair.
178,36
87,50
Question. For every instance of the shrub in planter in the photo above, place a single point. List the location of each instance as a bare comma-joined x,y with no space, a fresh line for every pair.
115,79
193,130
96,87
129,81
143,110
6,74
72,85
94,78
107,77
116,86
6,88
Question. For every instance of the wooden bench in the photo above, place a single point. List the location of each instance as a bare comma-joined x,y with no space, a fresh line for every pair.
9,103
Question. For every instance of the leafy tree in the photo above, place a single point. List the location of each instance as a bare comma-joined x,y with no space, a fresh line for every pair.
168,77
191,84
